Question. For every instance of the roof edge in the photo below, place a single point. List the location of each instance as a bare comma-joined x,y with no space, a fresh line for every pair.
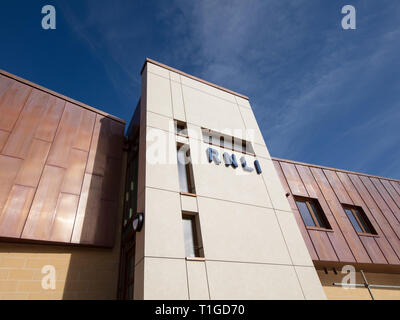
191,77
58,95
335,169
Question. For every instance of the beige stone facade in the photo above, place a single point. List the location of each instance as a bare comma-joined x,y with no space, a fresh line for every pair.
252,245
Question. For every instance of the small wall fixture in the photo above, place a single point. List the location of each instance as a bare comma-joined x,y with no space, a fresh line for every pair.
257,166
137,222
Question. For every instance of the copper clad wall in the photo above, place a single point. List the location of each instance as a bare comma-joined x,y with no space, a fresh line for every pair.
60,167
379,198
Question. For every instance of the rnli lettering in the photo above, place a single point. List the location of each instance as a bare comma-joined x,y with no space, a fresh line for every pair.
230,160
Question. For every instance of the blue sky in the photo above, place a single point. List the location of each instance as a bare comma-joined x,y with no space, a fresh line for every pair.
321,94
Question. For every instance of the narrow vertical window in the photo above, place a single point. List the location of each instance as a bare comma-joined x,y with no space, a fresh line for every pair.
191,236
244,148
239,145
228,142
185,170
222,142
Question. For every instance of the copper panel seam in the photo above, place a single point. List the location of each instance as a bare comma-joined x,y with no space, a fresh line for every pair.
58,95
330,168
305,233
336,238
382,242
348,231
377,212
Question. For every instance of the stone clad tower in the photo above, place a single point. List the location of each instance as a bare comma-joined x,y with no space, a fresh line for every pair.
212,230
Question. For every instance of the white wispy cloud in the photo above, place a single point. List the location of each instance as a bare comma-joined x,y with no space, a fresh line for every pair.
297,69
307,78
105,27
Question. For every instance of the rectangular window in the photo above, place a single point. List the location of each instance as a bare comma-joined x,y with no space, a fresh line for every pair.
228,142
185,170
191,236
222,142
180,128
359,219
312,213
244,146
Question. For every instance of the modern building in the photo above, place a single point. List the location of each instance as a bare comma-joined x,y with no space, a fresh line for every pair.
188,204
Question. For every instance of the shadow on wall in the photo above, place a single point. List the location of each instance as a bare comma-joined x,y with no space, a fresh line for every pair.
61,169
93,271
88,267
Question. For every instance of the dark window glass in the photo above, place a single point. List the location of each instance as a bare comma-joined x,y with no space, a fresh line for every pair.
305,214
222,142
312,213
353,220
180,128
362,220
244,146
316,214
129,273
359,220
131,181
130,292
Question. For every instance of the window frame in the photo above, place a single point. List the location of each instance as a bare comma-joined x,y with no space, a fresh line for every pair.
197,242
227,142
179,127
326,225
362,220
244,146
222,142
188,168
